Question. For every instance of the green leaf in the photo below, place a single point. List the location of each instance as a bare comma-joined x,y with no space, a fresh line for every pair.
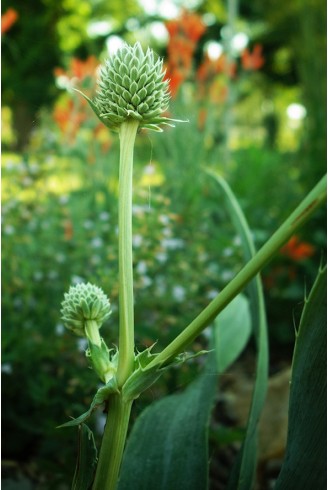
86,460
232,329
142,378
243,472
305,462
168,447
95,110
100,397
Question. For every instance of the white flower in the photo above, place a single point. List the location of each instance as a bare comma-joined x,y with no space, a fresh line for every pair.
237,241
227,252
60,258
104,216
9,230
88,224
59,329
76,279
63,199
227,275
172,243
96,242
38,275
179,293
82,344
146,281
6,367
161,257
141,267
212,293
137,240
52,275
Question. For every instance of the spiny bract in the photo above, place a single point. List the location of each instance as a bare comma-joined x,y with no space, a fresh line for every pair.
132,86
84,302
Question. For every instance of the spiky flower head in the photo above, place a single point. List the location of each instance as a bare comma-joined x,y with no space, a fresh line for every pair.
82,303
132,87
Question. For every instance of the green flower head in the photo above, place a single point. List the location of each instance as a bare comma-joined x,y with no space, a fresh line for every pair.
132,87
82,303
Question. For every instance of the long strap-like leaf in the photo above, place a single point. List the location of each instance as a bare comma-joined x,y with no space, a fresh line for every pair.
305,462
243,472
168,445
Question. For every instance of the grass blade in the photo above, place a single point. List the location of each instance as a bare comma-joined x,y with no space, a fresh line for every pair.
244,469
86,460
305,462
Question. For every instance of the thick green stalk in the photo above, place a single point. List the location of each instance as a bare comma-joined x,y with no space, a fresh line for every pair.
92,332
117,423
128,131
263,256
113,443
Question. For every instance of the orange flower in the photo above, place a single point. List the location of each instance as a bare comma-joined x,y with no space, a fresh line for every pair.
173,27
79,69
68,119
297,250
184,33
190,25
68,230
175,78
8,19
210,68
202,116
82,69
254,60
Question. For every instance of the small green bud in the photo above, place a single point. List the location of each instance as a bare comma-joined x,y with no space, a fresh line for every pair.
132,87
102,360
83,304
128,81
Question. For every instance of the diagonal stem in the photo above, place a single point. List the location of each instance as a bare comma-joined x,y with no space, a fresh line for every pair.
301,214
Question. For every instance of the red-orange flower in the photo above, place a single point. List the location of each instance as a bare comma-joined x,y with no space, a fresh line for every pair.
175,78
192,25
80,69
252,60
184,33
210,68
189,24
8,19
68,230
68,119
297,250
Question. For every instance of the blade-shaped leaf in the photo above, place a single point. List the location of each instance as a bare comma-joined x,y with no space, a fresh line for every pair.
305,462
86,460
232,329
243,472
168,447
100,397
142,378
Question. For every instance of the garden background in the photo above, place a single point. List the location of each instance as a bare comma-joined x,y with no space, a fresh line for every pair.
251,79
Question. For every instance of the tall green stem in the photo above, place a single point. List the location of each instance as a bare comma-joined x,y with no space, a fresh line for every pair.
128,131
263,256
117,423
112,445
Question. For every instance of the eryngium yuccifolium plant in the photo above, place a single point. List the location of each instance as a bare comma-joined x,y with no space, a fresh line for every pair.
132,87
82,303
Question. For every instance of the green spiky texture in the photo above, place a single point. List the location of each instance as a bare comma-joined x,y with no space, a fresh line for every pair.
132,86
82,303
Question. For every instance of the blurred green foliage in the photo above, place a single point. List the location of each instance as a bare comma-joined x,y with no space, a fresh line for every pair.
60,202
